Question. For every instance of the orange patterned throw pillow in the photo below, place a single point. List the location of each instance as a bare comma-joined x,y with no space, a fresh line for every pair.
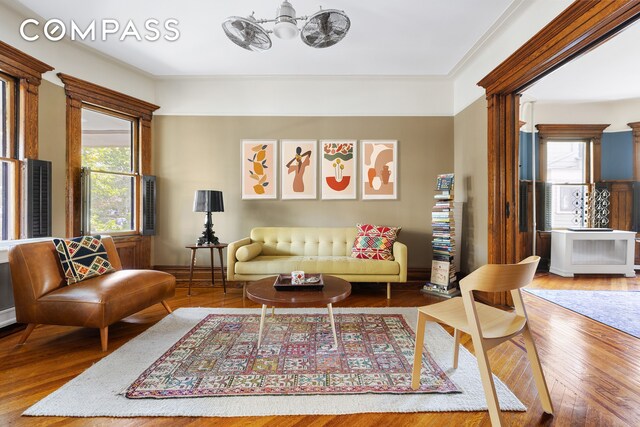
374,242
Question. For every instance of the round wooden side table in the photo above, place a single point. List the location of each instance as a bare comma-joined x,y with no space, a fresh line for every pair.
263,292
219,247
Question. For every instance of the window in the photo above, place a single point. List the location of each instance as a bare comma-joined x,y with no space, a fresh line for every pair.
109,146
8,151
567,172
108,159
20,76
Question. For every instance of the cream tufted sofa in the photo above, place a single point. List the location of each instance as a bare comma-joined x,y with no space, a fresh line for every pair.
273,250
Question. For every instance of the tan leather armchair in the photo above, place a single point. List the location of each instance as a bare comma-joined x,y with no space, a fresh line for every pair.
43,297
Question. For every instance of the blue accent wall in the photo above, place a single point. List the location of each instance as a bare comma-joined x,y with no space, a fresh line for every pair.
617,155
616,160
525,156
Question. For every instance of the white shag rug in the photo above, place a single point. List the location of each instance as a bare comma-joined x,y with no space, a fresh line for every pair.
99,390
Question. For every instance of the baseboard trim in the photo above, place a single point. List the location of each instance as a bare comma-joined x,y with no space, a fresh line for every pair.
203,274
7,317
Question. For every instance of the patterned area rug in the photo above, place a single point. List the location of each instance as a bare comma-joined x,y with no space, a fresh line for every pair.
100,390
219,357
618,309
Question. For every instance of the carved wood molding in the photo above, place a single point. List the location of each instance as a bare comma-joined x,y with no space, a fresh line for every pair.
578,29
635,128
587,131
28,71
91,93
20,65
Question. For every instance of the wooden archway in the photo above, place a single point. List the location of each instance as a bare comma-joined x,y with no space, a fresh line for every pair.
583,26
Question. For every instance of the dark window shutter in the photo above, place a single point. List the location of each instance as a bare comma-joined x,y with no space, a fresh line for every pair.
148,205
523,216
38,198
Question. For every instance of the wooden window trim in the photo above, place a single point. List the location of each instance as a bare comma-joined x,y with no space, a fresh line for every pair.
27,72
577,132
635,131
81,93
581,27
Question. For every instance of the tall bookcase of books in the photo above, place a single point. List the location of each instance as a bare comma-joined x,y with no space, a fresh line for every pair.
445,263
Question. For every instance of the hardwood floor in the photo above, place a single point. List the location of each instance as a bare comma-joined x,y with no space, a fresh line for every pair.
593,371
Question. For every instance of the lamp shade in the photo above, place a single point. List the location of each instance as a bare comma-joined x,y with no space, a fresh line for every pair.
208,201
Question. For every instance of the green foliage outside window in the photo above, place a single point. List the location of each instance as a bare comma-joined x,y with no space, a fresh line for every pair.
111,195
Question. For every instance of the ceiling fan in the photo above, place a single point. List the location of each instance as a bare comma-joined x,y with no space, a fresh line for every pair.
322,29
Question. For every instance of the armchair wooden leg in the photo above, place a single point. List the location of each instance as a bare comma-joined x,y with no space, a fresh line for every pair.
104,337
456,347
417,354
166,306
388,290
487,383
27,332
536,368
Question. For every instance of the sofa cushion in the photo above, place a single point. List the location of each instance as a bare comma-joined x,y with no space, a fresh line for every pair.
248,252
100,301
374,242
82,258
267,264
305,241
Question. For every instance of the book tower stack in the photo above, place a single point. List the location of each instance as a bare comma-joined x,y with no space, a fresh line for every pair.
443,272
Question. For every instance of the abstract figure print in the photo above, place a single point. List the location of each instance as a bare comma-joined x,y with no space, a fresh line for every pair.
299,170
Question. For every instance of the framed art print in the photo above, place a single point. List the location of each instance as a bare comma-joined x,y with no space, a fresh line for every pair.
299,169
379,170
338,165
259,174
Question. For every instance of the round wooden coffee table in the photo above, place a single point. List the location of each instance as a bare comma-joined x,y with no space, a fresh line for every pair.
263,292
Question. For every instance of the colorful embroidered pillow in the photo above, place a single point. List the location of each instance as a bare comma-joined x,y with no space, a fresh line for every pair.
374,242
82,258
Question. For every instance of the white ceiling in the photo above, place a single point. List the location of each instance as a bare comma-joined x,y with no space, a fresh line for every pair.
411,37
609,72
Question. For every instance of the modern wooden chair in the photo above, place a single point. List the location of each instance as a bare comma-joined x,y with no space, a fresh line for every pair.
488,326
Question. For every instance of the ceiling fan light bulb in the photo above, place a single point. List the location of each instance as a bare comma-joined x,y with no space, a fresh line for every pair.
285,30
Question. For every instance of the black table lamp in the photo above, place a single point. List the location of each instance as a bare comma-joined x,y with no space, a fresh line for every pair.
208,201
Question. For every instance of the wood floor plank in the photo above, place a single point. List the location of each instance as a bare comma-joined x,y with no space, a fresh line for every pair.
593,370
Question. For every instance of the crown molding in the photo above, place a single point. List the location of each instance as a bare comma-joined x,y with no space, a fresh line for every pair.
20,65
91,93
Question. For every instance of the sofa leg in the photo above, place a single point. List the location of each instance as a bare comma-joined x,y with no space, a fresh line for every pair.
166,306
104,337
388,290
244,290
27,332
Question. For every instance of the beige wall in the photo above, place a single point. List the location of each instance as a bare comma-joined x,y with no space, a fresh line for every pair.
470,142
52,146
203,152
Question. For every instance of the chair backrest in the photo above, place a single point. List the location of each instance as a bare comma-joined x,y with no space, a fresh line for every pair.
36,271
501,277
